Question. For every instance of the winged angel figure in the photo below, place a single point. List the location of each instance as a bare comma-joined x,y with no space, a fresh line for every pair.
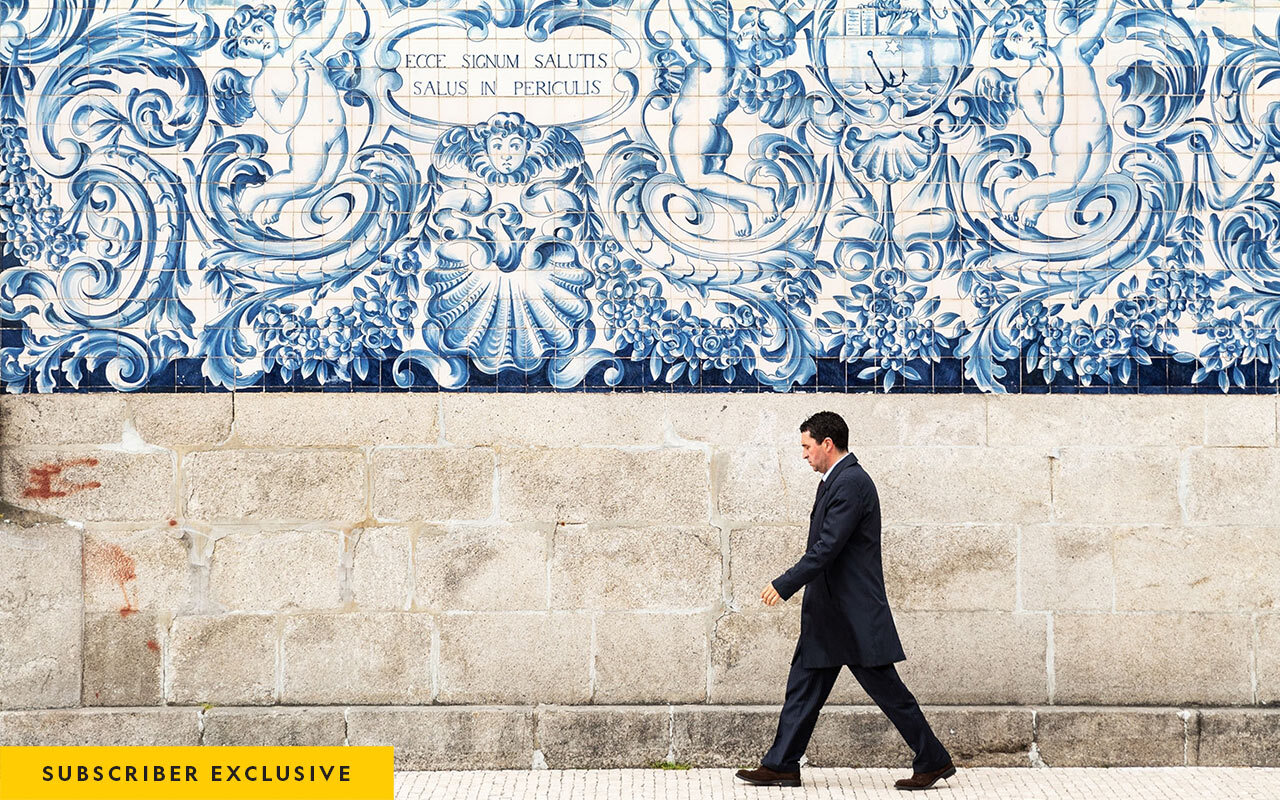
724,75
1075,122
511,208
299,101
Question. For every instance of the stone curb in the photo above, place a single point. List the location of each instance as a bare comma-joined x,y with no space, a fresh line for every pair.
613,737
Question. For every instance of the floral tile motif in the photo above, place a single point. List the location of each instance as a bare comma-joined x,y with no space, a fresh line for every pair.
640,195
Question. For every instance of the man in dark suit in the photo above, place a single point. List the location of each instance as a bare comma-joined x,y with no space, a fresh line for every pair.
844,618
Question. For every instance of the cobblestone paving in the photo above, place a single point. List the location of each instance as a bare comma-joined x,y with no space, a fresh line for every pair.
1137,783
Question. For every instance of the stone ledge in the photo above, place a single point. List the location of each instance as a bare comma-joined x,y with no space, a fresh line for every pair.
101,726
1128,737
441,737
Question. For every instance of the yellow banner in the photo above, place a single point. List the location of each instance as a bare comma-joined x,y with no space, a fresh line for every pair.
196,773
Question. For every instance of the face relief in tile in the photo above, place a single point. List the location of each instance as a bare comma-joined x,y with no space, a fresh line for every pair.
656,194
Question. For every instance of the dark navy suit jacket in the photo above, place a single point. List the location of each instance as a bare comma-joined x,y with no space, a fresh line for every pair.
845,616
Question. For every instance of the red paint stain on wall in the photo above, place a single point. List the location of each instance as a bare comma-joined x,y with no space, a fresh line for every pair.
45,481
118,567
153,646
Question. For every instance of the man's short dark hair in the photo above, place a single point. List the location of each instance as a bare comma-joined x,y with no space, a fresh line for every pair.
827,425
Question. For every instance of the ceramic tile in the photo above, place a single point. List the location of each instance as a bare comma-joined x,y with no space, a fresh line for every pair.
519,196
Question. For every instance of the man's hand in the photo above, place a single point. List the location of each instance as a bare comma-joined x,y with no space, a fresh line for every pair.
770,596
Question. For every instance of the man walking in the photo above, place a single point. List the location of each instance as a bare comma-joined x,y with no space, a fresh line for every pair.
844,618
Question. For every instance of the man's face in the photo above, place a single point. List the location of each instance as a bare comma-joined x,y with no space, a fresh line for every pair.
818,454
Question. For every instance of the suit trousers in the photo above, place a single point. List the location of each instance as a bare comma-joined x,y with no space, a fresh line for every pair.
807,690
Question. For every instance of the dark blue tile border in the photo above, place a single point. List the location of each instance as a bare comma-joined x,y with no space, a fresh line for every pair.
1164,375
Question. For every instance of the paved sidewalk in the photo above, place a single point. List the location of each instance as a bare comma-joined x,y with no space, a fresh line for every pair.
985,783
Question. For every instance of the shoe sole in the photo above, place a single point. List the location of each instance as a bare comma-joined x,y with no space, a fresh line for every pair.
790,783
930,784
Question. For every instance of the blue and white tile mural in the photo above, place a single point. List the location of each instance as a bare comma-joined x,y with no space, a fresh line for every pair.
929,195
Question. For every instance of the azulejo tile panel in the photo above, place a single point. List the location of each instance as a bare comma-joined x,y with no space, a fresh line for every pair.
1000,195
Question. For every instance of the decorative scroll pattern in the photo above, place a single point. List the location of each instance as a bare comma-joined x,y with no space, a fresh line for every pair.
448,192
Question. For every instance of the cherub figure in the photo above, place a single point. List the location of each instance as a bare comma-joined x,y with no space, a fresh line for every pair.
508,151
301,101
512,213
1077,128
723,75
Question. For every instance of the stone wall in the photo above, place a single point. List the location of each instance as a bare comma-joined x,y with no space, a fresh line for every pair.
573,579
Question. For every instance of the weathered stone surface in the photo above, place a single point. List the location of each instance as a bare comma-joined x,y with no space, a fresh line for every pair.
1122,737
728,420
553,420
381,567
132,570
368,658
40,613
1109,486
297,485
566,485
602,737
751,655
175,727
433,483
255,570
447,738
856,736
1152,659
1244,737
263,727
52,419
598,567
950,653
769,419
490,567
759,554
224,659
1066,567
749,485
181,421
89,485
1232,486
861,736
122,659
527,657
651,658
723,736
1268,658
957,567
358,419
984,737
1240,421
802,483
1048,422
1197,569
938,420
957,484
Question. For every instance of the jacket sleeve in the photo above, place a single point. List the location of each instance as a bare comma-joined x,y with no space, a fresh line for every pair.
837,526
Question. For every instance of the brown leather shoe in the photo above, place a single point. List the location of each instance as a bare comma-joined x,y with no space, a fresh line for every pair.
767,777
925,780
